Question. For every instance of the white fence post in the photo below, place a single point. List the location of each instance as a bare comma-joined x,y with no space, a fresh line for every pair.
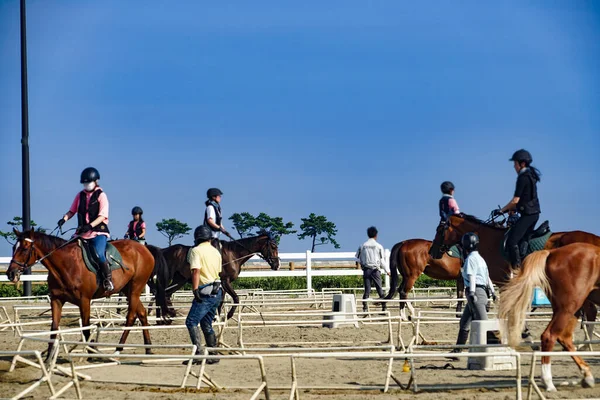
308,272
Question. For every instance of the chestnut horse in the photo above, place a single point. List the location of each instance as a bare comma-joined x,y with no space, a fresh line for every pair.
235,253
570,276
411,258
491,238
69,280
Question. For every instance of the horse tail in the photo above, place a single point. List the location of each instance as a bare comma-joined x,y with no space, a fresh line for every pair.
394,270
161,270
516,295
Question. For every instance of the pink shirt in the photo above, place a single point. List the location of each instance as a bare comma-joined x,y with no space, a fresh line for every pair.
103,200
135,224
453,205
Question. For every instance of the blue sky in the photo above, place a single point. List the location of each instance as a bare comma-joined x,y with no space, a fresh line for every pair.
350,109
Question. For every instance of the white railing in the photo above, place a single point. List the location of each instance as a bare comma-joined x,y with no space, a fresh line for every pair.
307,257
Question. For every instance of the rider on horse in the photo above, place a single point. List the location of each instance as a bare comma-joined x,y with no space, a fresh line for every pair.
525,201
136,229
447,205
91,207
213,215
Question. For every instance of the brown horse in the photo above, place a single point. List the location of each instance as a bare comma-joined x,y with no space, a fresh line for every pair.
69,280
235,253
570,276
491,238
411,258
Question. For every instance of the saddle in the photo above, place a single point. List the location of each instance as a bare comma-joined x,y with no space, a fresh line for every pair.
533,242
455,252
91,259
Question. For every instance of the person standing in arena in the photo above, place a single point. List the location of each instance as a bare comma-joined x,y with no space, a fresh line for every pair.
372,259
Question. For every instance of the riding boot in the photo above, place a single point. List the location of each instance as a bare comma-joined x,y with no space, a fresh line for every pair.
515,257
107,283
211,341
463,335
196,339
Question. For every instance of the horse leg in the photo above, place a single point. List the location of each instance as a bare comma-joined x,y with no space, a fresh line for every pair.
131,313
559,324
407,284
56,306
229,289
566,341
142,315
84,313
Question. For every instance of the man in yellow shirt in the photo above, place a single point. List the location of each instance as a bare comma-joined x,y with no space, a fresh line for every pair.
205,263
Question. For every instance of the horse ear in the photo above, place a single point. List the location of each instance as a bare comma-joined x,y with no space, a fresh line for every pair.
31,232
16,232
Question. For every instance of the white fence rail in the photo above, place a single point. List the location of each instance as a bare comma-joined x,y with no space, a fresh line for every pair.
307,257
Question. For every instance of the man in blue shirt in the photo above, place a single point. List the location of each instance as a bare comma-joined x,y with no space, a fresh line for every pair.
478,287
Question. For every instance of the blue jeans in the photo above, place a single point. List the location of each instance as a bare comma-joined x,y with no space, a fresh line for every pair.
203,313
99,243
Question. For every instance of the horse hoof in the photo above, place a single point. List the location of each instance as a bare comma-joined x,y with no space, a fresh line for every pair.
588,382
550,388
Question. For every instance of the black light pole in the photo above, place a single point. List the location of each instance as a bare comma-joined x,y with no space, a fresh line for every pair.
25,135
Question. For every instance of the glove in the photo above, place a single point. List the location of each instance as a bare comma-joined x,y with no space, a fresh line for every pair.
85,228
494,297
197,295
487,307
497,212
61,222
126,236
473,297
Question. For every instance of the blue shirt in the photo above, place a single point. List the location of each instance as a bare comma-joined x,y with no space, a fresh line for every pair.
475,265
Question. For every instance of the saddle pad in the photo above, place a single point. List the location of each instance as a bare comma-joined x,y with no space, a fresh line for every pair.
534,244
454,252
112,256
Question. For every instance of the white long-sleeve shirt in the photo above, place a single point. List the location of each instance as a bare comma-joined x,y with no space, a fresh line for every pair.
372,255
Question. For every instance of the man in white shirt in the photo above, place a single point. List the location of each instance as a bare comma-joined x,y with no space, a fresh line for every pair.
372,259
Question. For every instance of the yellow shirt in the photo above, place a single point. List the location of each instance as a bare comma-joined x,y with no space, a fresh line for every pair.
207,259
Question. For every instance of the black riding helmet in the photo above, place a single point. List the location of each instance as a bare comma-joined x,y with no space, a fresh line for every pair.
137,210
202,234
90,174
212,192
522,156
470,241
447,187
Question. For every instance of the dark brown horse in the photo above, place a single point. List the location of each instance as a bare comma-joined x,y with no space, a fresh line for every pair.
411,258
69,280
235,253
570,276
491,238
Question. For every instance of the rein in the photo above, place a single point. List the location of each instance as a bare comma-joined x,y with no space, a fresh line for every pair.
23,265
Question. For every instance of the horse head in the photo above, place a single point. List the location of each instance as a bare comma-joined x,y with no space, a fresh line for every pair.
269,249
24,254
449,232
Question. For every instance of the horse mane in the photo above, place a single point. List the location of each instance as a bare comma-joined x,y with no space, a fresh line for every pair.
475,220
46,240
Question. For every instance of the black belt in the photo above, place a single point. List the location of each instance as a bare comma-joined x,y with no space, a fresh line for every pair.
481,287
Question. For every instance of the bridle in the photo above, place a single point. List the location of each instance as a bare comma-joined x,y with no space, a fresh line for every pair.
23,265
266,248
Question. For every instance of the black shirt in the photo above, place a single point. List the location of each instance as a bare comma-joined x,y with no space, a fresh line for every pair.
526,191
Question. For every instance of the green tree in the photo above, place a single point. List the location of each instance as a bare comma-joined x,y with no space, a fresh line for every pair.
173,229
10,236
317,226
243,223
275,225
246,224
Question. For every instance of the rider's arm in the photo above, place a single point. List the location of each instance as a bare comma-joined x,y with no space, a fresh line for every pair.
211,218
103,212
143,235
512,205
